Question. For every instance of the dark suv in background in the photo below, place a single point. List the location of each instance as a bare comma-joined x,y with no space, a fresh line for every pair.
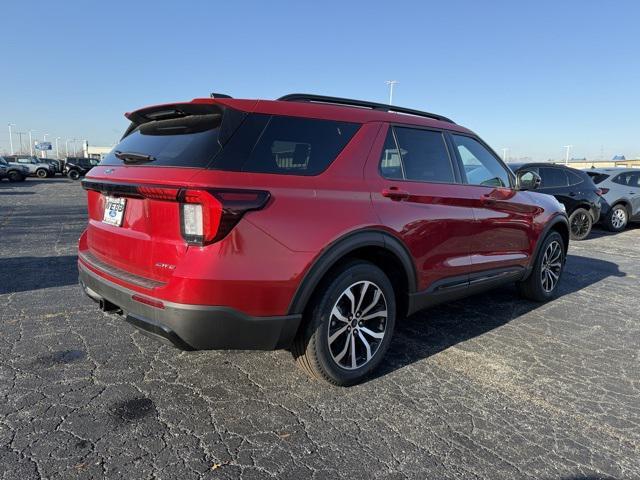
76,167
573,188
309,223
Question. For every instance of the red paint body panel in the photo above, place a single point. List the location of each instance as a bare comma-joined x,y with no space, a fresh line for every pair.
450,230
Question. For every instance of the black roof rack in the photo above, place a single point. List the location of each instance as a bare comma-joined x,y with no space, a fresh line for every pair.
307,97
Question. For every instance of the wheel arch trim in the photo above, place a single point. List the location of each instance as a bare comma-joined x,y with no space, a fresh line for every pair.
342,247
558,219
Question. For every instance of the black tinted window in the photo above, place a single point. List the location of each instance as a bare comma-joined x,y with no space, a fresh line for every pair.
598,177
298,146
424,156
553,177
631,179
574,178
480,165
190,141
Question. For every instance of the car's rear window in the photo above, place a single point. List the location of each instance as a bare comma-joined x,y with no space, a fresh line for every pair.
190,141
236,141
598,177
284,145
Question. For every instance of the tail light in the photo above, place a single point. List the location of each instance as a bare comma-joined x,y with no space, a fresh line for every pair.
207,216
602,191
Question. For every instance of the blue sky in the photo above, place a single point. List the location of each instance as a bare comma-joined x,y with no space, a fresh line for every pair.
530,76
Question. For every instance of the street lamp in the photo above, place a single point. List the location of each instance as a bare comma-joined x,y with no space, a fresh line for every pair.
11,137
391,83
57,149
504,154
66,147
566,157
31,142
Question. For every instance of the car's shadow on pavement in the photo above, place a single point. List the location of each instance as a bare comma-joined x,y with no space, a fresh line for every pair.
431,331
22,274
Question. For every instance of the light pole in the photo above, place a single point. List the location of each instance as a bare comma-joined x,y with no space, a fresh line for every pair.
20,139
66,147
566,157
11,137
504,154
57,149
391,83
31,143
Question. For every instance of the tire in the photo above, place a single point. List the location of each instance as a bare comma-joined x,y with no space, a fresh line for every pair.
323,347
580,223
549,258
42,173
14,176
73,174
617,218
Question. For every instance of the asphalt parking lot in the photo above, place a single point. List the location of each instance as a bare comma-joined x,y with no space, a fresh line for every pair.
491,387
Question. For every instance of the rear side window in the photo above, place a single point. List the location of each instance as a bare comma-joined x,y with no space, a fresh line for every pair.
574,178
632,179
297,146
553,177
420,155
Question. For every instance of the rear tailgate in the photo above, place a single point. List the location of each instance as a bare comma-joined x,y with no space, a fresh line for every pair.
163,150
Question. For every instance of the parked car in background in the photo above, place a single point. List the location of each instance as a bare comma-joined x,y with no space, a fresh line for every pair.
12,172
56,164
573,188
76,167
311,223
33,164
620,189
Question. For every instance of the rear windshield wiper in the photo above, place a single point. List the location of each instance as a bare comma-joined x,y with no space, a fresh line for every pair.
132,157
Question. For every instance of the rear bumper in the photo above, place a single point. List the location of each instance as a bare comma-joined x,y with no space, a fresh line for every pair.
192,327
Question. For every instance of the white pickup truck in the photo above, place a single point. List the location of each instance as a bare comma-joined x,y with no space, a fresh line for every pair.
35,167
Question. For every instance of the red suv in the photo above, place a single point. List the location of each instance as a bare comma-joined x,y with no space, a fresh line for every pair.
310,223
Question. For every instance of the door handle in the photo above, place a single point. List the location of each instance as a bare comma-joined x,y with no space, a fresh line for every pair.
572,194
395,194
488,199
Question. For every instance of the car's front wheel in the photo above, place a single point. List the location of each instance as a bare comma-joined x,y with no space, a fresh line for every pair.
42,173
617,218
542,283
580,223
348,326
73,174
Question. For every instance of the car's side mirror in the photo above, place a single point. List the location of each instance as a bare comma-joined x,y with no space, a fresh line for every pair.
528,180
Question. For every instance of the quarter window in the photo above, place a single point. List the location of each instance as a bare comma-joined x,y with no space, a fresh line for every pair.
480,165
420,156
574,178
553,177
298,146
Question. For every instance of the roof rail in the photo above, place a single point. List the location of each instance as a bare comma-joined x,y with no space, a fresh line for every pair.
307,97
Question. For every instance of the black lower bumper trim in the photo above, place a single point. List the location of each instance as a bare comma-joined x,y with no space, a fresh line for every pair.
194,327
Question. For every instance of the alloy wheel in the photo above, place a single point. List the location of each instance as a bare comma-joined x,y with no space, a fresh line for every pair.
580,225
551,266
618,218
357,325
